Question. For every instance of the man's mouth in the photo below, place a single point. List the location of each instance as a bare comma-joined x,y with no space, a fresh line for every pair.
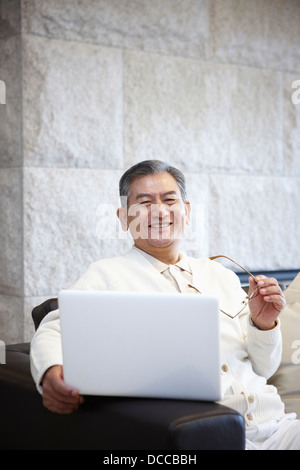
161,225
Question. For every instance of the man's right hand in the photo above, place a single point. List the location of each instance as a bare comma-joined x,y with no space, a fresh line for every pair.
57,395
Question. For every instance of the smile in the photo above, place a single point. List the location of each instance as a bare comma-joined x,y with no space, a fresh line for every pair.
161,225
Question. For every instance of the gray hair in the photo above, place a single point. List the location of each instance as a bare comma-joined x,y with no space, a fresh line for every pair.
149,167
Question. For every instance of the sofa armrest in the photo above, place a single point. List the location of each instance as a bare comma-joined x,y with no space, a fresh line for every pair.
108,423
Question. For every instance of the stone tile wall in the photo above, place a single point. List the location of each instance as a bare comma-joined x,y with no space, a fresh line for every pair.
95,86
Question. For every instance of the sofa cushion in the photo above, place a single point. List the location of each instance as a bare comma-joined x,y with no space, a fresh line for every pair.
287,377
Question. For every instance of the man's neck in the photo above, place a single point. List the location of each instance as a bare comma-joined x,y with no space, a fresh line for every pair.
166,257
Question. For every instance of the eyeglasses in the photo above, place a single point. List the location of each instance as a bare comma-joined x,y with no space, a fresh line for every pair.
247,299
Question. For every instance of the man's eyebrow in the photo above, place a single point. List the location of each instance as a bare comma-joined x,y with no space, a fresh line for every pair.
168,193
143,195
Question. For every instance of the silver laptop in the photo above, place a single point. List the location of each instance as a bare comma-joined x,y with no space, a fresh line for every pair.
141,345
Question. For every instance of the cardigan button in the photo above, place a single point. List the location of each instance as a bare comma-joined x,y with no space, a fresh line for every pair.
224,368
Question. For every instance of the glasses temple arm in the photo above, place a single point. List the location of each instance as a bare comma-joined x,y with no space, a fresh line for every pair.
223,256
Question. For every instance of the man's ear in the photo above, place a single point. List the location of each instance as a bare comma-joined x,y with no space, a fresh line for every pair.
122,215
187,208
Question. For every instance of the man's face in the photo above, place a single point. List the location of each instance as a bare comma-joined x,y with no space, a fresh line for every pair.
156,214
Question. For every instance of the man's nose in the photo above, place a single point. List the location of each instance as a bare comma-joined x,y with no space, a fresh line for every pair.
159,210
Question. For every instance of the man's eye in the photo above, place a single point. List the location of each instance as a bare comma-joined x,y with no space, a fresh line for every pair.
145,202
170,201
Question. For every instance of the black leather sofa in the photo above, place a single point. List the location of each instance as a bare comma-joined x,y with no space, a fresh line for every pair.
106,423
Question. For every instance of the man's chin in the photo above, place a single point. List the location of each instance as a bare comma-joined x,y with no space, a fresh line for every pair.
161,242
157,242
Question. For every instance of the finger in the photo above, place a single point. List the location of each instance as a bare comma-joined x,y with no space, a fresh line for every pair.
61,403
266,281
59,407
64,390
253,287
252,281
62,398
55,383
57,395
277,300
270,287
59,390
271,290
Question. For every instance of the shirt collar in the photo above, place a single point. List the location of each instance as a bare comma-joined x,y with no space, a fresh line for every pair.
183,262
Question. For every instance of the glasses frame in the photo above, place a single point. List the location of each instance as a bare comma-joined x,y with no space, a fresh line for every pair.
247,298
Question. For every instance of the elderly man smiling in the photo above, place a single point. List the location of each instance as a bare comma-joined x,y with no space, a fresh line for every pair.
155,210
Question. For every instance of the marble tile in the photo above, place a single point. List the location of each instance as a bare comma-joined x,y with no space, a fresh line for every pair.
11,319
254,220
72,104
10,18
10,110
261,33
205,116
166,26
291,124
11,237
69,221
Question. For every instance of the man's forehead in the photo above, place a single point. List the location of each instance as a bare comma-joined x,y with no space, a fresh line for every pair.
154,184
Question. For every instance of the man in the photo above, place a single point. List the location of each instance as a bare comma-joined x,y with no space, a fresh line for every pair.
155,211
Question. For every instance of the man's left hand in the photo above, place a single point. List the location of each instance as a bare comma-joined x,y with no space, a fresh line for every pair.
267,303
